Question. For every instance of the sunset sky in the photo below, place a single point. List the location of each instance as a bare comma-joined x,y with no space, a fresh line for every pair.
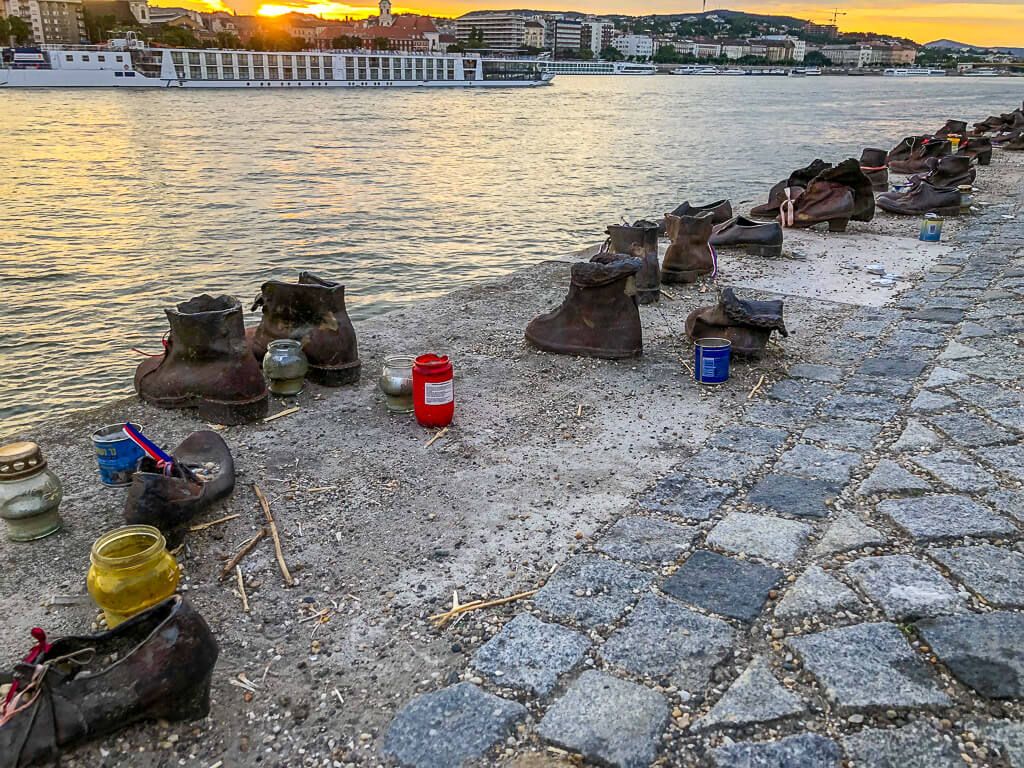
979,22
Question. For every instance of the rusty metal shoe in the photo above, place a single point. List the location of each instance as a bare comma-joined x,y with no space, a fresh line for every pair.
155,666
873,165
690,255
949,171
922,198
313,312
952,128
206,364
746,324
912,155
1015,144
721,210
978,149
762,238
598,318
798,179
202,474
835,196
639,241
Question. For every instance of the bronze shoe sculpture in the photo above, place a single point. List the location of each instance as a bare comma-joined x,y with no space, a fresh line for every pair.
762,238
798,179
977,149
949,171
952,128
169,498
922,198
206,364
639,241
1015,144
835,196
873,165
721,210
313,312
913,154
746,324
598,318
71,692
690,255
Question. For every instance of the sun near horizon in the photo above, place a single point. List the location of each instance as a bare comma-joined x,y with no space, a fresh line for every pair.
984,23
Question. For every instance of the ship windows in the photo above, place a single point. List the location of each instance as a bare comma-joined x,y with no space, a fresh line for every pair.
69,57
194,60
101,57
85,57
119,59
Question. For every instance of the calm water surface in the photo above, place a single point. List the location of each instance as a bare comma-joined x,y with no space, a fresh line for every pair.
116,204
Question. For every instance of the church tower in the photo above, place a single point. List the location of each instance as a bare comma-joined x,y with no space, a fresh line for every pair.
386,19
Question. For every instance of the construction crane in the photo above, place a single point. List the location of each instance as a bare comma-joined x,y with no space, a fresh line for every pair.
836,13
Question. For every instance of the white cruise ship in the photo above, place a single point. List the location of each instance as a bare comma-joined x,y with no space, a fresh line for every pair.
597,68
129,63
914,72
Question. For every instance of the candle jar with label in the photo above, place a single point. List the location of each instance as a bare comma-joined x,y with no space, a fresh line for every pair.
433,390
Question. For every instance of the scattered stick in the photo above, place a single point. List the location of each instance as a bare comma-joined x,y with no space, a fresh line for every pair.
440,619
579,410
436,437
756,387
322,489
240,554
241,589
274,535
281,415
204,526
664,292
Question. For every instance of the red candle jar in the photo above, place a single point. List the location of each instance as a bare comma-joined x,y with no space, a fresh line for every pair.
433,390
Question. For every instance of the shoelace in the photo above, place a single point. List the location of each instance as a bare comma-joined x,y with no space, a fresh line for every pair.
787,211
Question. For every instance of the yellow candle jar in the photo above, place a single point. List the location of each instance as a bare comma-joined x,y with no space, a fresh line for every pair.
131,571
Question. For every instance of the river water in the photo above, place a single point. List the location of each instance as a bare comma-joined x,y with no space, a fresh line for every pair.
117,203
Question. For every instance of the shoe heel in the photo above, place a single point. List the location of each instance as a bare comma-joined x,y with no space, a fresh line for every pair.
194,705
837,225
768,251
985,158
232,413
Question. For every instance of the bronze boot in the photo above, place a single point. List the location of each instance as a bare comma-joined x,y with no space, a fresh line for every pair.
822,201
949,171
598,318
952,128
798,179
913,154
313,312
157,665
873,165
922,198
639,241
746,324
206,364
977,149
690,255
721,210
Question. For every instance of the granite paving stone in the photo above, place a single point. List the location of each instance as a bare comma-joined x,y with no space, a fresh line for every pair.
826,464
448,727
904,587
870,329
723,585
1012,417
863,407
938,315
1008,459
995,573
756,696
798,496
972,330
989,395
776,414
826,373
848,350
1004,738
844,433
725,466
944,516
530,654
931,402
971,431
760,441
770,538
941,377
846,533
665,639
868,665
957,351
804,750
956,470
918,339
591,590
1008,502
992,368
608,721
892,367
916,436
890,477
983,651
644,540
799,392
878,385
919,745
815,594
685,496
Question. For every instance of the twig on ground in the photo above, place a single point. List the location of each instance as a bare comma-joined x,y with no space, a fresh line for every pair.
665,292
274,535
241,588
282,414
204,526
756,387
579,410
240,554
436,437
322,488
440,619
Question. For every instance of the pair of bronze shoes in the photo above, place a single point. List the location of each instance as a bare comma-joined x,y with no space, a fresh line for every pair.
821,193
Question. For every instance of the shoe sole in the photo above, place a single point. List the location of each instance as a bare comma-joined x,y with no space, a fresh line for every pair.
225,412
682,276
563,349
757,249
335,377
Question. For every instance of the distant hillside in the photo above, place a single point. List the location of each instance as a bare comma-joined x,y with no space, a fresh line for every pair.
944,43
953,45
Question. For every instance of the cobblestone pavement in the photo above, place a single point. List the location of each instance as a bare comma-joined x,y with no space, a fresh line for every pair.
848,588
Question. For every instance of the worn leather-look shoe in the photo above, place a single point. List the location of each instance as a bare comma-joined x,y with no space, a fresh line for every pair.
798,179
202,474
836,195
952,128
746,324
977,149
949,171
762,238
922,198
638,241
155,666
598,318
873,164
912,155
721,210
690,255
313,312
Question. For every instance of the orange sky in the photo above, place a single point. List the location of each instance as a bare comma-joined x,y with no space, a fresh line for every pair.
979,22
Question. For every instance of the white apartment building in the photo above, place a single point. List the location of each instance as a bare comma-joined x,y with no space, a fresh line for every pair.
500,31
638,46
799,46
53,22
596,35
